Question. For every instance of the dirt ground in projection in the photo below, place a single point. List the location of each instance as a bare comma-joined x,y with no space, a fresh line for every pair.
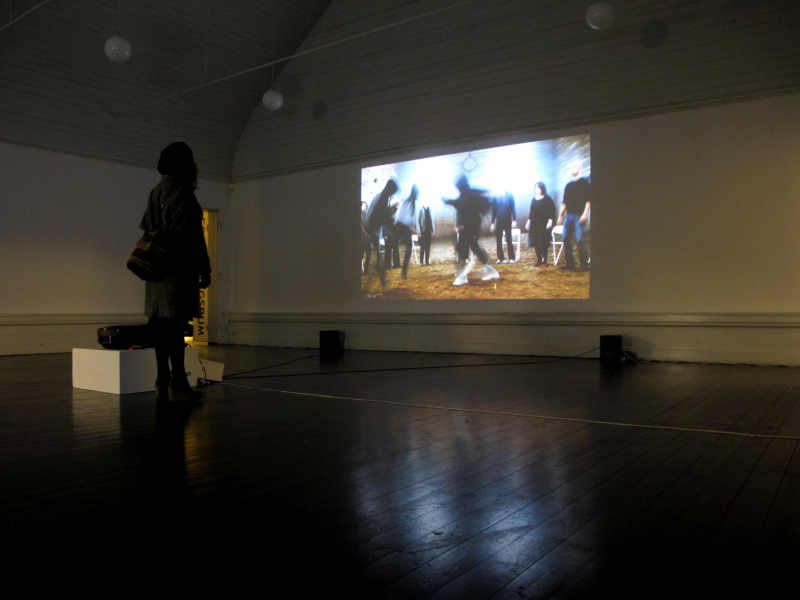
518,281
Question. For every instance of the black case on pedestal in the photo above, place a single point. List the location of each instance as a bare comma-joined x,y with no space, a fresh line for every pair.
122,337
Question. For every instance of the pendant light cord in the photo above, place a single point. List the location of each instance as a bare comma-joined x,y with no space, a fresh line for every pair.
208,41
273,62
272,56
22,16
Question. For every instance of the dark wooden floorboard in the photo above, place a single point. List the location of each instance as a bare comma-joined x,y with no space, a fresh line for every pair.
451,523
388,500
461,522
642,553
740,527
781,529
511,467
656,519
544,577
540,502
432,489
517,557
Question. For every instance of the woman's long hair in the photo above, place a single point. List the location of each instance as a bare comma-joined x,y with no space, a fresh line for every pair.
177,160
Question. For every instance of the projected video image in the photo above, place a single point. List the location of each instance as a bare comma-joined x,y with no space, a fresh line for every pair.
511,222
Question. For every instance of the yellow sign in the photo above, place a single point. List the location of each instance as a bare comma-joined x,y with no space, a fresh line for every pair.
201,323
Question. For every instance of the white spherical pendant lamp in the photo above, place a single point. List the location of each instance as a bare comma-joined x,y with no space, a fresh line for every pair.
600,15
118,49
272,99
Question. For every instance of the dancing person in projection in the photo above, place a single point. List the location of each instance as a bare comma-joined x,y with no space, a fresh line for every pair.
427,230
540,223
504,219
391,251
574,215
404,213
472,204
365,241
379,214
461,258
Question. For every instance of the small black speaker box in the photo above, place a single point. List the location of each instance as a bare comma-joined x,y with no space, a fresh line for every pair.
611,350
331,343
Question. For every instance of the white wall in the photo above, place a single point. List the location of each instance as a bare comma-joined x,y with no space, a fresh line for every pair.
68,225
695,220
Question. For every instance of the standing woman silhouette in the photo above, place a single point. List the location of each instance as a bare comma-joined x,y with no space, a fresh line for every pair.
171,302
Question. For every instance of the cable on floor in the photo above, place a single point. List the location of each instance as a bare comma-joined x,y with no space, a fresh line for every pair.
524,415
269,367
499,364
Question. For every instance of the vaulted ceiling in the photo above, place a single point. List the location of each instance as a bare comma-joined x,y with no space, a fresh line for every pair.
470,71
413,74
59,91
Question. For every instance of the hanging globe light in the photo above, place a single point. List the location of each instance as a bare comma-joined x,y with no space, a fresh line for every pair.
272,99
600,15
118,49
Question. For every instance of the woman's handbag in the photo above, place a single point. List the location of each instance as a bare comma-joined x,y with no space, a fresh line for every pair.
151,257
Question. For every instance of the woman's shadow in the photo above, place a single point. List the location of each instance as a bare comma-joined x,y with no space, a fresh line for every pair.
158,448
168,453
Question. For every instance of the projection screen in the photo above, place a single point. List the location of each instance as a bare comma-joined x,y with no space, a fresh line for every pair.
511,222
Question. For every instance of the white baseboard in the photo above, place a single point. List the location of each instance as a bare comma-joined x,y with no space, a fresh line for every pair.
49,333
771,339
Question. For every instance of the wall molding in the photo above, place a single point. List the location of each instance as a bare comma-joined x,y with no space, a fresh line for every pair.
737,338
760,320
54,333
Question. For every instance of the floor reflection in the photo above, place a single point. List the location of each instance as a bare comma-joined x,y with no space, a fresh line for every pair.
95,417
168,459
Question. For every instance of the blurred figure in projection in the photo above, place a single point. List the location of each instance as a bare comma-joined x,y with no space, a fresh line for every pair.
391,252
461,258
504,219
365,241
404,213
540,223
472,204
574,216
379,214
426,232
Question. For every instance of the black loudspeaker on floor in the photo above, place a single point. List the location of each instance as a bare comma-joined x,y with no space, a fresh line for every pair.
611,350
331,343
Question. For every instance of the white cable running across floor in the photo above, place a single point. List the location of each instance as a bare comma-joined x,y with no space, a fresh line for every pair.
525,415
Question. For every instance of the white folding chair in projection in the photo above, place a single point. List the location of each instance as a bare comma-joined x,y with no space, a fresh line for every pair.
558,230
415,247
516,237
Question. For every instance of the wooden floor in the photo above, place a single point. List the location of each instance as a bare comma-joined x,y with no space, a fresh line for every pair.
469,494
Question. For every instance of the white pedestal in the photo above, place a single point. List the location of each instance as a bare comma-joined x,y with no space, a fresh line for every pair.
122,371
114,371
